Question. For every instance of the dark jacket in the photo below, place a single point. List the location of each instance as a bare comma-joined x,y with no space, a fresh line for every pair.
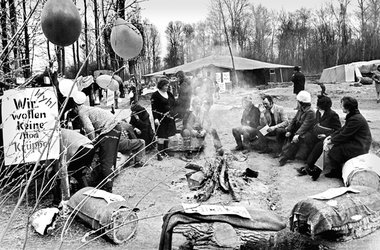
184,98
251,117
162,109
329,119
143,123
298,78
303,121
353,139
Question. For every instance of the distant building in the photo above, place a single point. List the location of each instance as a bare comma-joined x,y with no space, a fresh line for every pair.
250,72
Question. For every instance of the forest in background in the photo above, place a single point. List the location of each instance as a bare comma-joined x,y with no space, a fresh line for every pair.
340,31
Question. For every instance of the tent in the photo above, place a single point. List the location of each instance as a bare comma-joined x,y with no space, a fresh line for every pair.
348,72
250,72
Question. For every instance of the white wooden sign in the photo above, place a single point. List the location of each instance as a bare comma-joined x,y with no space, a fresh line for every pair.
218,77
29,116
226,77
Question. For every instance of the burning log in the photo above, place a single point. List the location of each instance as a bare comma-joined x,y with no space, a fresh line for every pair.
234,187
217,174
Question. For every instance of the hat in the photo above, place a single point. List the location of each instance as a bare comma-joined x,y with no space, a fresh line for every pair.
304,96
297,68
79,98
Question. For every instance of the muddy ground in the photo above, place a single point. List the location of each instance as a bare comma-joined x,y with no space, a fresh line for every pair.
158,186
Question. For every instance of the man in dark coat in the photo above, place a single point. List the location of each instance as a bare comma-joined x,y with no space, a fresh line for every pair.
142,126
352,140
250,120
298,79
184,95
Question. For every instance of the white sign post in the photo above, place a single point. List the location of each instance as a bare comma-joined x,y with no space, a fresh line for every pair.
28,117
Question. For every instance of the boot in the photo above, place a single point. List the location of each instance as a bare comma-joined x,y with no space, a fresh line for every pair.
166,148
160,149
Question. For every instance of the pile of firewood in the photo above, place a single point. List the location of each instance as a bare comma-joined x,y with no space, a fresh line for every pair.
214,175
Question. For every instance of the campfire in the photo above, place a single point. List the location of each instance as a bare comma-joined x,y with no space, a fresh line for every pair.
216,174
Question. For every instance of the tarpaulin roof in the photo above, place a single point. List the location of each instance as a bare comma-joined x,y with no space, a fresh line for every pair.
347,72
221,62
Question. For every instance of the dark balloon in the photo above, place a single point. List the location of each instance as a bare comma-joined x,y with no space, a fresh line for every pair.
60,21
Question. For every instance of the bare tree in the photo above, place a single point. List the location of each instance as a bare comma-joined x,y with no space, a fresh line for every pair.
174,34
362,14
4,36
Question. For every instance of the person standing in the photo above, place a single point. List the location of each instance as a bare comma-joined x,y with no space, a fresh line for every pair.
99,121
376,79
184,94
298,79
352,140
250,120
163,104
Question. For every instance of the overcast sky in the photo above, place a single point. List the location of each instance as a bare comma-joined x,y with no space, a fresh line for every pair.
161,12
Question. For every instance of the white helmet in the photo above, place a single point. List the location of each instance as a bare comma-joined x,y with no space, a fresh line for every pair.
304,96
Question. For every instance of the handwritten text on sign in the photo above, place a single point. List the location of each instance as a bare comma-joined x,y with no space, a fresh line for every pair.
28,117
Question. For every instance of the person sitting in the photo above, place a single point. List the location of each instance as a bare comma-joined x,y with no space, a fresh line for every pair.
302,123
250,120
352,140
142,126
327,121
97,120
275,118
128,145
193,127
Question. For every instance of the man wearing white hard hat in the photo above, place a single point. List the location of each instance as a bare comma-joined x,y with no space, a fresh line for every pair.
99,121
303,122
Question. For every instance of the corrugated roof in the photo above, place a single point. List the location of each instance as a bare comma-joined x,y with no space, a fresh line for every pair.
221,62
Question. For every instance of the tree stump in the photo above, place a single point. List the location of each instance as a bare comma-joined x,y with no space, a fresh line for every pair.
218,235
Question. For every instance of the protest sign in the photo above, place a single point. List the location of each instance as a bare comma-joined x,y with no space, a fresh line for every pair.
28,117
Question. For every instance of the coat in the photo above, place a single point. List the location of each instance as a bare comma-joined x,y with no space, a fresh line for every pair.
162,110
303,121
353,139
329,119
251,117
142,123
298,79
